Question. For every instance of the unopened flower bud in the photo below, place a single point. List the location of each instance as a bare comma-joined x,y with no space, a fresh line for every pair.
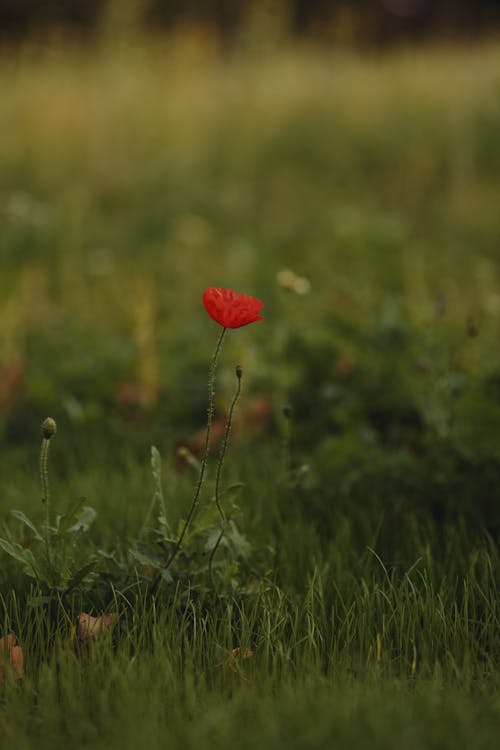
239,371
49,428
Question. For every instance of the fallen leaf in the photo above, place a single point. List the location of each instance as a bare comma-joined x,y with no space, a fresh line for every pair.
253,417
10,649
91,627
237,653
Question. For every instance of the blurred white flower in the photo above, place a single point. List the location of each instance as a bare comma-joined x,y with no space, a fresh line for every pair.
290,280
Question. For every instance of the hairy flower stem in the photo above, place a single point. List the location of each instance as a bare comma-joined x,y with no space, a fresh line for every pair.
218,475
203,464
44,481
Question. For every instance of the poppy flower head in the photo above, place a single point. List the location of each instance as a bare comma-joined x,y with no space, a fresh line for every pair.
229,309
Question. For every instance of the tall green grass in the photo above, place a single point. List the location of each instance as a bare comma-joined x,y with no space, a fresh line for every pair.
316,674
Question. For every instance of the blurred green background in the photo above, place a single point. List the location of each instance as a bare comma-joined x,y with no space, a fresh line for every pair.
351,183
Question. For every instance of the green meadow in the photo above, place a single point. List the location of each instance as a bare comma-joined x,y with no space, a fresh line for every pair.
352,600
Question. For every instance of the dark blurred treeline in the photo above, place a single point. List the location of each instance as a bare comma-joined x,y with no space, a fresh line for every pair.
371,21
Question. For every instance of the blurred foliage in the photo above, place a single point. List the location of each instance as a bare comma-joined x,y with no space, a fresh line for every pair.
357,199
398,423
362,21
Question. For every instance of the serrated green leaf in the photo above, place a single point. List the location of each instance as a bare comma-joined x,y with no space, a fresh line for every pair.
80,574
145,557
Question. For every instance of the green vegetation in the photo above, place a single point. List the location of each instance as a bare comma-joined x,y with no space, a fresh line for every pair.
354,598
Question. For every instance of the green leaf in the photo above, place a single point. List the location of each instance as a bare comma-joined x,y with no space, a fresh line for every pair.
24,519
112,557
212,537
238,542
232,491
24,556
84,520
80,574
158,487
167,576
65,520
207,517
146,557
228,496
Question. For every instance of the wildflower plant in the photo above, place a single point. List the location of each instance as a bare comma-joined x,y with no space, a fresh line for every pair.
49,553
54,553
230,310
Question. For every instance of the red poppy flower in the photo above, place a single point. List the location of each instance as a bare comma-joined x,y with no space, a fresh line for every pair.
229,309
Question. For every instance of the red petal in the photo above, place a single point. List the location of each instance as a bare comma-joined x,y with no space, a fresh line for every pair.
229,309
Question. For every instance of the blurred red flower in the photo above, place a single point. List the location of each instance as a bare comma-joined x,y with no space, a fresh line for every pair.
229,309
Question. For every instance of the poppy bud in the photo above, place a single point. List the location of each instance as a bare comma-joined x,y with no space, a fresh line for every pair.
239,371
49,428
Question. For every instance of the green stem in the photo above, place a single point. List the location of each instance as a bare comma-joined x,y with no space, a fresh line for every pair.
218,476
44,480
203,465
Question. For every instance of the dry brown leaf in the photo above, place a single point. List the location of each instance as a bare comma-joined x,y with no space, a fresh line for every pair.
253,417
237,653
91,627
11,652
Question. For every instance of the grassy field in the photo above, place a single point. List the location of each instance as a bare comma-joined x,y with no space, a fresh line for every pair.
354,598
